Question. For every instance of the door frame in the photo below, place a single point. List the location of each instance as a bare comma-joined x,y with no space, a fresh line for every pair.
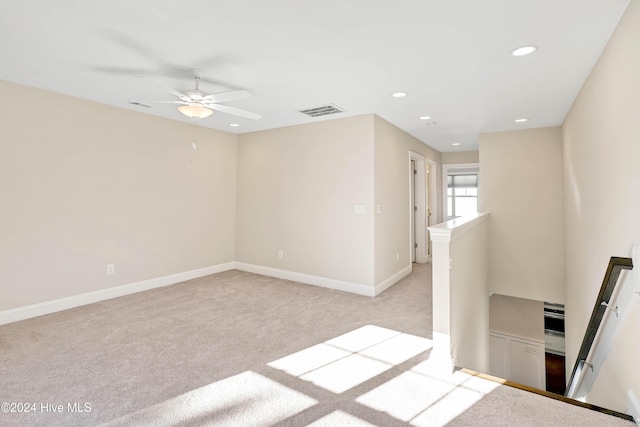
432,200
418,198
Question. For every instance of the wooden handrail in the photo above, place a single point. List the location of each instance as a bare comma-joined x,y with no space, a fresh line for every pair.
615,267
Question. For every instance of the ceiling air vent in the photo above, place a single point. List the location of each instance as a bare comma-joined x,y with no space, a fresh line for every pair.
323,110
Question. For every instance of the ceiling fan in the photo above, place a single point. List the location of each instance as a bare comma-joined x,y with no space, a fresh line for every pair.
197,105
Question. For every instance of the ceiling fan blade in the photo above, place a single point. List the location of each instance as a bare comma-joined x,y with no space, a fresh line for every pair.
167,102
123,71
232,95
180,95
233,110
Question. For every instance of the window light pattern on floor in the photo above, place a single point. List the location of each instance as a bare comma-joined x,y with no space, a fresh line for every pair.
415,393
420,396
346,361
246,399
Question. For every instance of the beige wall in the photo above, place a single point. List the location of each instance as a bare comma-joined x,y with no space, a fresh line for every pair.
457,157
461,293
469,298
84,185
602,201
297,187
521,188
93,185
518,317
392,173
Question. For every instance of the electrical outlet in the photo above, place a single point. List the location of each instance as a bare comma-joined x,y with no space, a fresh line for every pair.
111,268
280,255
397,256
531,350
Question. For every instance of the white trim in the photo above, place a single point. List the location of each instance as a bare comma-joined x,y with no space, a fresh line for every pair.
390,281
447,231
420,194
635,257
462,167
60,304
432,202
440,359
355,288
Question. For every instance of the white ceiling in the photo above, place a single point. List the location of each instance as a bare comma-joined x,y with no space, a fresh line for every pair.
452,57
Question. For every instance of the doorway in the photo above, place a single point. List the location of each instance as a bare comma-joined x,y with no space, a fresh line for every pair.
413,210
418,208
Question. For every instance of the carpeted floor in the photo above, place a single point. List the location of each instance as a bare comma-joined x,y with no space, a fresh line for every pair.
240,349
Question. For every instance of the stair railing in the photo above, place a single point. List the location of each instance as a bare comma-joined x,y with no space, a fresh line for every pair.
615,267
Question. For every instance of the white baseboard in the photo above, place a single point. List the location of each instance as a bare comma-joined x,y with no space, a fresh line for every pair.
355,288
390,281
48,307
35,310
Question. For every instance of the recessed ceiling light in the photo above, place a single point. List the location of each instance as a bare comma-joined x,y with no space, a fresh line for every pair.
456,143
234,125
425,117
524,50
399,94
521,120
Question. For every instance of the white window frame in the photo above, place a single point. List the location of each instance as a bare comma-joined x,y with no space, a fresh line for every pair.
455,169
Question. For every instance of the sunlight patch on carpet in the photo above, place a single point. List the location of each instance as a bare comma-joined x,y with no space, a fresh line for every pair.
340,418
346,373
361,338
405,396
244,399
344,362
309,359
422,399
398,349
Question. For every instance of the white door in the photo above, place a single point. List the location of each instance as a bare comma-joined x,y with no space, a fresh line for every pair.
413,211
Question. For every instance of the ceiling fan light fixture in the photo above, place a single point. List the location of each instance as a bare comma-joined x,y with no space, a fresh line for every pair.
195,111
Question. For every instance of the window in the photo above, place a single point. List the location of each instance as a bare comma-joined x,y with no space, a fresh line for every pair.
462,193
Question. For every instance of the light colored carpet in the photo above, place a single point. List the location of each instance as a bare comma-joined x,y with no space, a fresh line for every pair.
241,349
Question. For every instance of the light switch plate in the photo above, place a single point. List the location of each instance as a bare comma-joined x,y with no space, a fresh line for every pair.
360,209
